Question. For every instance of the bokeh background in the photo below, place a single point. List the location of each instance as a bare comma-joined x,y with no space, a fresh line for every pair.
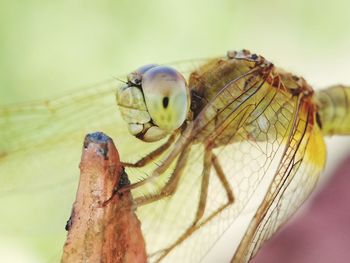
52,47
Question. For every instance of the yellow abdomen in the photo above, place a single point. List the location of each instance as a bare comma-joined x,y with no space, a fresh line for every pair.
333,106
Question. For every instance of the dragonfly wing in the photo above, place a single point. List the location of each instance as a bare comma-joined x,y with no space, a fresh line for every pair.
253,150
40,149
38,138
295,179
30,125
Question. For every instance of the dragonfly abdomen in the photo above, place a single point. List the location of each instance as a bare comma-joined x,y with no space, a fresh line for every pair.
333,106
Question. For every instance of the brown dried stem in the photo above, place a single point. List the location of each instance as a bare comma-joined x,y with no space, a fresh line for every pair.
98,232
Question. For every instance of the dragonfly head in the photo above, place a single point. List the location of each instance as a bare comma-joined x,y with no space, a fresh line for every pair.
154,102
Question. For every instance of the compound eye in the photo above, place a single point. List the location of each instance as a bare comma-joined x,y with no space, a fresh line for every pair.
167,97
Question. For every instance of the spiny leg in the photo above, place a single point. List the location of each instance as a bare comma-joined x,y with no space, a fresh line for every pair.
183,143
171,185
209,160
152,155
204,186
191,230
220,173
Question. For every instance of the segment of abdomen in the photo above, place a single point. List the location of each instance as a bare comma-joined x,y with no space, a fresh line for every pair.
333,107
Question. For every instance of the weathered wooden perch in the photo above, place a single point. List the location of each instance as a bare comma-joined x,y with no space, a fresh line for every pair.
98,233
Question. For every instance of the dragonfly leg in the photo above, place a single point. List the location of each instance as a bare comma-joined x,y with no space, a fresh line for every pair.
181,146
221,175
209,160
204,186
152,155
171,186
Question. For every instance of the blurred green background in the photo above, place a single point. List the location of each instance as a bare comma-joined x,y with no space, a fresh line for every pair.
47,47
52,47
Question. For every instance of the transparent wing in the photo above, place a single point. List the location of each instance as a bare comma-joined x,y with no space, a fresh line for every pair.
295,179
40,149
258,125
29,125
41,145
34,124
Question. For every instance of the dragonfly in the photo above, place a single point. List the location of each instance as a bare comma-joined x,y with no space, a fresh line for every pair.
232,142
